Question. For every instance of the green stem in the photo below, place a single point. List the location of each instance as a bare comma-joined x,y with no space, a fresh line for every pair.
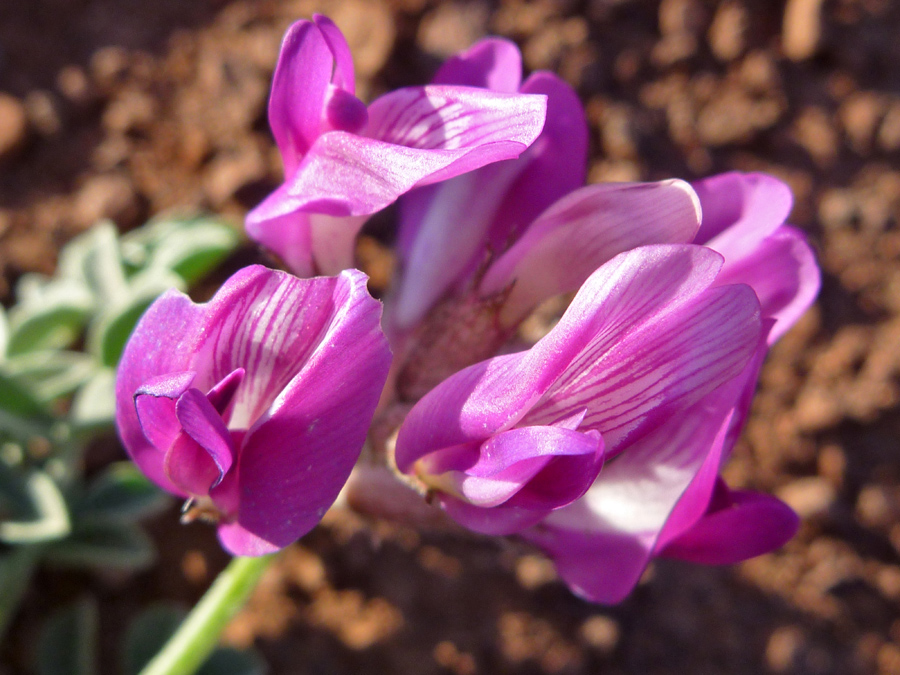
198,635
15,574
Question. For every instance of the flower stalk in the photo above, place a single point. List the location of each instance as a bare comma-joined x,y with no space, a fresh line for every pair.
199,633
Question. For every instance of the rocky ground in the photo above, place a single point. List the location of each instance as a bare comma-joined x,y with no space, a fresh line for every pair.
125,108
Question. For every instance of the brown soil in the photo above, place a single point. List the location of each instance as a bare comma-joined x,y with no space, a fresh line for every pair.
123,108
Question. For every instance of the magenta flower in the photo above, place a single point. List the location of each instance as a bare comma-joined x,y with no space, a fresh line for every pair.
523,226
344,161
653,355
744,218
255,405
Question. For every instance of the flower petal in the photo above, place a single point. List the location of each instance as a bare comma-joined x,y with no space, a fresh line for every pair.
749,525
343,76
638,289
268,323
202,422
492,63
190,466
154,403
221,396
555,164
602,543
506,462
320,419
299,88
582,231
287,236
451,223
653,339
447,231
699,494
162,344
782,270
740,210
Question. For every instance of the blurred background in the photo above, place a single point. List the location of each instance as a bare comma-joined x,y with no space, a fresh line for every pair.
123,109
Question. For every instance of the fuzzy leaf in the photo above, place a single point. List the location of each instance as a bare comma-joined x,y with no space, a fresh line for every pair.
147,634
50,518
52,321
104,543
189,247
152,628
121,493
51,374
231,661
109,332
68,642
94,404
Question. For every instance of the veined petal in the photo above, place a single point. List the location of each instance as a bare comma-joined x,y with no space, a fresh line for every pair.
602,542
447,231
349,175
492,63
162,344
584,230
268,323
699,494
748,524
740,210
299,87
319,419
443,117
634,290
632,381
782,270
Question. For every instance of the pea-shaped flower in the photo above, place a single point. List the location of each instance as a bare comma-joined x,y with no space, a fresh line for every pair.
649,364
255,405
343,160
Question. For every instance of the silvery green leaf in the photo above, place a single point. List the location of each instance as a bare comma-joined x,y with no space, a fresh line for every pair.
103,269
67,644
231,661
94,404
4,333
53,319
104,544
193,248
153,627
147,634
50,374
51,515
16,400
15,500
121,493
110,330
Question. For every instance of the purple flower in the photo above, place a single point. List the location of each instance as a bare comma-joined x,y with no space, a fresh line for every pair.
744,218
523,230
344,161
654,355
255,405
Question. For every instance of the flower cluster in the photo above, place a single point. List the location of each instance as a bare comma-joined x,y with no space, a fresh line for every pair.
601,443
